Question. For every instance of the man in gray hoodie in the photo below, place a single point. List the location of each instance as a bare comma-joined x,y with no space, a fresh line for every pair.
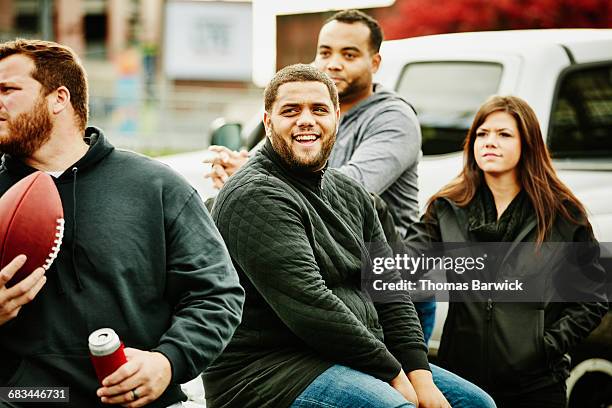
379,138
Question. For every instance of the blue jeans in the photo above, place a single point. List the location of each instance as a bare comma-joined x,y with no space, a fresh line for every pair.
426,310
460,393
343,387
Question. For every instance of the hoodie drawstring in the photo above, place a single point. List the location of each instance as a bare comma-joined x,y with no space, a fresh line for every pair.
74,230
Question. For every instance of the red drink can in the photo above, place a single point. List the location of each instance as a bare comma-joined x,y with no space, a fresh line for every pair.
106,352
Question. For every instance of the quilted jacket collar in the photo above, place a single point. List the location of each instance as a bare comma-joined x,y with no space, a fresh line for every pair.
311,179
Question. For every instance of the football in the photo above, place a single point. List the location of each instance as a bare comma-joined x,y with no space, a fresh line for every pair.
31,223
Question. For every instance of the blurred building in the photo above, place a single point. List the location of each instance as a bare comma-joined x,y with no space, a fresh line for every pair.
147,96
96,29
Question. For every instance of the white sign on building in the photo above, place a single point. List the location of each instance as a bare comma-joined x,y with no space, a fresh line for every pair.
208,40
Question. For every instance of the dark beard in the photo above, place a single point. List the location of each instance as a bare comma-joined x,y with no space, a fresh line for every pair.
284,151
28,131
353,89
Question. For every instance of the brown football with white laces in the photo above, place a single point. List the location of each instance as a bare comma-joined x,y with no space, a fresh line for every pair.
31,223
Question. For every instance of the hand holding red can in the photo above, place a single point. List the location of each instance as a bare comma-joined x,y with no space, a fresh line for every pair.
106,352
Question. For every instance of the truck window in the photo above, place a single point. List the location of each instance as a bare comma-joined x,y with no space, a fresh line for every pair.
581,120
446,96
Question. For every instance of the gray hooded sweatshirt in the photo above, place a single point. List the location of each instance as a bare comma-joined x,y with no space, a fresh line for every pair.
379,145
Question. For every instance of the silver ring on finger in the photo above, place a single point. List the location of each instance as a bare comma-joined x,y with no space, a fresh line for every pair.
135,394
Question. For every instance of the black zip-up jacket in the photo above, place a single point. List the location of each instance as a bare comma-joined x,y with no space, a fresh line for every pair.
140,255
509,348
297,240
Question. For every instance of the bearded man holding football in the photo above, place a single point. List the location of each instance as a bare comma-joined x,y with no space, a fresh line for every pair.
139,252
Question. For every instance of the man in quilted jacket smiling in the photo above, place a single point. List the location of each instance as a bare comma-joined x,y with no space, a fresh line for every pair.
296,232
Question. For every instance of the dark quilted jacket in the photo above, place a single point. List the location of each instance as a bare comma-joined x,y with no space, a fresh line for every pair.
297,242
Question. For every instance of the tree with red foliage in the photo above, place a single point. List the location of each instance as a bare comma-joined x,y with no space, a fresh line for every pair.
410,18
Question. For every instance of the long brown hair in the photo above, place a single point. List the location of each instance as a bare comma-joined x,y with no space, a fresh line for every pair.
548,195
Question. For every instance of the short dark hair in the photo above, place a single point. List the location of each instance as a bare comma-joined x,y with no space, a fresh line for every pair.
298,73
355,16
55,65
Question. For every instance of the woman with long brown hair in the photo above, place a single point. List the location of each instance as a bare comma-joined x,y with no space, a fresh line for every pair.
508,191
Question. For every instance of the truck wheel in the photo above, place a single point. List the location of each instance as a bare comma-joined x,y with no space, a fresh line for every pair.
590,384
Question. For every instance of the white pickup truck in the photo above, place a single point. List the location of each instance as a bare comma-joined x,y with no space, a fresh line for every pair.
566,76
